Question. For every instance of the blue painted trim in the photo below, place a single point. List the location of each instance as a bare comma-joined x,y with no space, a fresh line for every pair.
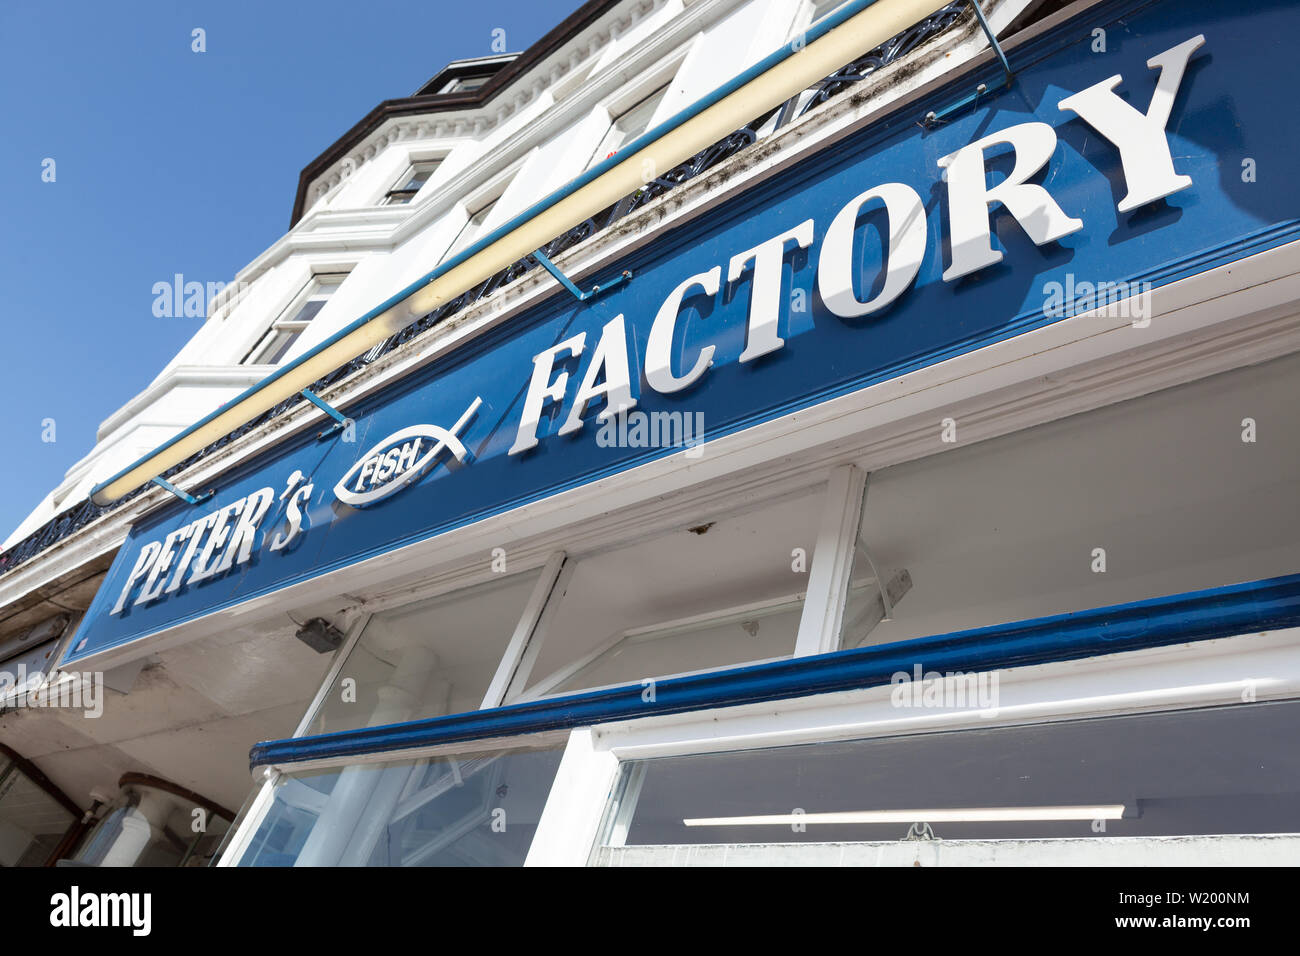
184,496
645,139
544,260
340,420
1010,77
1227,611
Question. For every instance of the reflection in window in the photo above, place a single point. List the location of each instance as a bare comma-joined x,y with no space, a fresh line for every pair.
627,126
478,809
1213,771
32,821
412,182
1007,529
707,596
295,319
154,823
472,230
465,84
427,659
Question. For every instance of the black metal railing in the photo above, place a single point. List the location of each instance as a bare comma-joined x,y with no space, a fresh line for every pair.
77,517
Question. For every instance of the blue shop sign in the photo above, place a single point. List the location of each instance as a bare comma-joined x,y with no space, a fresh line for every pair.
1096,177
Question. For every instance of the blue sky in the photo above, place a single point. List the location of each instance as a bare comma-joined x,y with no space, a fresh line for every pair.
170,161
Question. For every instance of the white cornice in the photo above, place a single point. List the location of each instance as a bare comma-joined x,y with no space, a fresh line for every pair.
480,121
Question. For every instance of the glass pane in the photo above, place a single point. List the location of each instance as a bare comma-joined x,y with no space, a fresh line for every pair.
628,126
1213,771
418,176
146,826
109,829
313,297
713,594
274,346
823,7
471,231
477,809
309,309
31,821
410,184
768,634
427,659
1154,496
465,84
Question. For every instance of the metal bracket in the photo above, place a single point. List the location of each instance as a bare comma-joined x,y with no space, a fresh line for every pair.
185,496
577,293
919,832
885,602
939,116
341,421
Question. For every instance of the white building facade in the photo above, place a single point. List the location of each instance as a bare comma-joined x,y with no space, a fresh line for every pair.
728,431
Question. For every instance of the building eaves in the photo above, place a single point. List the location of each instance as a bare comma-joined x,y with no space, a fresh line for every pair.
423,103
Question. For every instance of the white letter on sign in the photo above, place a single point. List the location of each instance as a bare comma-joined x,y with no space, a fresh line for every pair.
608,360
541,390
765,289
158,574
969,197
904,250
659,346
142,563
1143,146
240,547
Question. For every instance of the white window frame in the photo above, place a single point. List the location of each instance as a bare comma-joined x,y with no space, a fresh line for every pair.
287,322
515,667
660,89
1167,678
489,194
1224,671
412,165
819,9
842,490
457,84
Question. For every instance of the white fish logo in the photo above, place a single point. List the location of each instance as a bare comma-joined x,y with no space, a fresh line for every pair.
402,459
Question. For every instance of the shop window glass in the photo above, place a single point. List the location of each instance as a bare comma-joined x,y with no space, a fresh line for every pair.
1212,771
153,827
31,821
1154,496
475,809
425,659
410,184
627,126
705,595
